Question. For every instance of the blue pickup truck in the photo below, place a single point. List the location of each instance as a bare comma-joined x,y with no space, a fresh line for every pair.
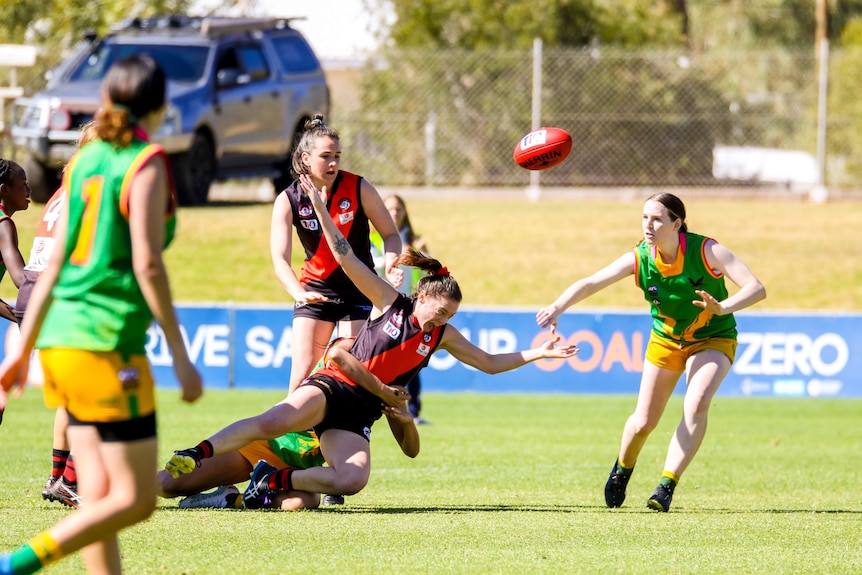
240,89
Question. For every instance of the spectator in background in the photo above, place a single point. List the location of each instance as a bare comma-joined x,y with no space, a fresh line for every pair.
409,240
682,275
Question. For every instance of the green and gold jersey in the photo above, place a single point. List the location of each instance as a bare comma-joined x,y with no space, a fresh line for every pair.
670,290
298,449
98,305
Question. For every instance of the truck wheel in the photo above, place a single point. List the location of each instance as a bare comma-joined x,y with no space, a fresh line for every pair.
194,171
285,167
43,180
285,178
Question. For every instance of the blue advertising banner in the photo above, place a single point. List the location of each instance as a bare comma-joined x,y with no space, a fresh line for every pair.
795,355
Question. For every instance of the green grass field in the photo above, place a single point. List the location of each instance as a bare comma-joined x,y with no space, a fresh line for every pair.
521,253
513,483
504,484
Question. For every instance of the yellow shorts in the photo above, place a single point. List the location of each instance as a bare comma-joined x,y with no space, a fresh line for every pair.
260,449
97,386
669,355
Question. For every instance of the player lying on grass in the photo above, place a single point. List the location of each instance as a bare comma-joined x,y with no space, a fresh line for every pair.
396,343
293,450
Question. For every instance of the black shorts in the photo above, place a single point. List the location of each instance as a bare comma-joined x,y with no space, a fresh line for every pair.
122,431
348,407
334,310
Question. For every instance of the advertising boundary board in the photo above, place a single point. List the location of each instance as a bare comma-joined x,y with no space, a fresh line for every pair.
779,354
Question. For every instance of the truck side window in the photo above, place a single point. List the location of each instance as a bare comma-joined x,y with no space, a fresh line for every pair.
253,62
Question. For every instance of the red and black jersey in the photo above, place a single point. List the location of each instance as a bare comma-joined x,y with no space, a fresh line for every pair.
344,204
393,347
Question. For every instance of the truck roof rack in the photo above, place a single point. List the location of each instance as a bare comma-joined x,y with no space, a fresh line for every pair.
208,25
223,26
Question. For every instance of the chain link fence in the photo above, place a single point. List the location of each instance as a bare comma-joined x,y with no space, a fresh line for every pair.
637,118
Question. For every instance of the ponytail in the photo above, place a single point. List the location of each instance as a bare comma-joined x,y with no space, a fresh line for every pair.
439,282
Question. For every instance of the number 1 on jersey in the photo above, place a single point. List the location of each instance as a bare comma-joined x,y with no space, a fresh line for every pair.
91,193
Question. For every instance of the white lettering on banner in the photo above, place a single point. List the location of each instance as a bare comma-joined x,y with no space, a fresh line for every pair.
205,344
261,352
821,387
774,353
216,345
494,340
210,342
156,347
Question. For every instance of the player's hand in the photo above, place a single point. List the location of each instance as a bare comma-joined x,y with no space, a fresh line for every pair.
708,303
395,276
7,312
13,373
395,395
189,378
400,411
551,349
547,316
307,297
317,197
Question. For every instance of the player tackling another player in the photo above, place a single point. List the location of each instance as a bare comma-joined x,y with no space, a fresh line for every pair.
682,276
340,403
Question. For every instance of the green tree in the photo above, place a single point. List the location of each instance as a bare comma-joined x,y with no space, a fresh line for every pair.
58,25
479,24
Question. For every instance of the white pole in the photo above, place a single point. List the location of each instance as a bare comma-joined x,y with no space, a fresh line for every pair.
534,191
430,148
819,193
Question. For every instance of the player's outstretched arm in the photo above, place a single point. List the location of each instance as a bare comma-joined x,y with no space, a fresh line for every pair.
369,283
492,363
584,288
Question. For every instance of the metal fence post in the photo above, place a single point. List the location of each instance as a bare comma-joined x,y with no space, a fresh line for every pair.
430,148
535,190
819,193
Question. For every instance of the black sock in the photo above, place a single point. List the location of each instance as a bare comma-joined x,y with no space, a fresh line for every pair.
202,450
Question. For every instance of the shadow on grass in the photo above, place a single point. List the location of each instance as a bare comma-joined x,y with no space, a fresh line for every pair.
573,509
782,511
458,509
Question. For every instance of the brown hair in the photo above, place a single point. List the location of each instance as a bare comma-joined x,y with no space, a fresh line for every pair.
314,128
438,282
132,88
410,235
674,206
88,133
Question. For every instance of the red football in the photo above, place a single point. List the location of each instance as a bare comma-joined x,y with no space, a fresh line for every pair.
543,148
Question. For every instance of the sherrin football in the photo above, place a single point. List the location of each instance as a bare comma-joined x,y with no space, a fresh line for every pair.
543,148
